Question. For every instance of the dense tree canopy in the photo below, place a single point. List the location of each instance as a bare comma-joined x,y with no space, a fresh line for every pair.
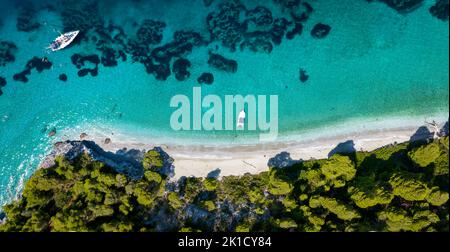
402,187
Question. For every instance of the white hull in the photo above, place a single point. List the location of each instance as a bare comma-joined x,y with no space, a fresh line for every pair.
63,41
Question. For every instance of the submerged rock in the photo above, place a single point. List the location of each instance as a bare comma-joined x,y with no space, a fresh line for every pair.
278,30
260,16
150,32
206,78
219,62
225,25
7,52
440,9
26,20
258,42
297,30
2,84
79,61
303,75
403,5
208,2
320,31
40,64
180,68
63,77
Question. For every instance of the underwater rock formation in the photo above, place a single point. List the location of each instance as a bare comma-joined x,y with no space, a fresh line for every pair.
62,77
26,19
206,78
182,44
40,64
257,41
260,16
297,30
180,68
225,25
150,32
7,52
402,6
219,62
81,15
278,31
303,75
2,84
79,61
440,9
208,2
320,31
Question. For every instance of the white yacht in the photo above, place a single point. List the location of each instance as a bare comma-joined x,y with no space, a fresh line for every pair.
63,40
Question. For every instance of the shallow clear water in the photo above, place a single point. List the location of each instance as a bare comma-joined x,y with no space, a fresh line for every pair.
374,64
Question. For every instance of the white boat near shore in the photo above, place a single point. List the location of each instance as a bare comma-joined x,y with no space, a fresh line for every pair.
63,41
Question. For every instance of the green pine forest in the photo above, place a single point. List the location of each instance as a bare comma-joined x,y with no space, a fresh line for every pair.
400,187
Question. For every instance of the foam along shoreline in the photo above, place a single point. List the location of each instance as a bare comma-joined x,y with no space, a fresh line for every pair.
203,160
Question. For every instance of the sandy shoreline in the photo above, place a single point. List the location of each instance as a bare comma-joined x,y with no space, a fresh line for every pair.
198,160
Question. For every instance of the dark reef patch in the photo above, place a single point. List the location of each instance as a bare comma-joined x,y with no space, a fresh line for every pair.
81,15
440,9
257,42
279,29
180,68
2,84
303,75
260,16
79,61
225,25
219,62
158,62
297,30
7,52
402,6
320,31
206,78
150,32
62,77
40,64
26,20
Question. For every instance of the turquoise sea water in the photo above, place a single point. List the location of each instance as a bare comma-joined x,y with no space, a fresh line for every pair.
375,63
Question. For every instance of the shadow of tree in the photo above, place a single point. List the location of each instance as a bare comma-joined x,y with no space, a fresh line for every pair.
421,134
346,147
282,160
214,173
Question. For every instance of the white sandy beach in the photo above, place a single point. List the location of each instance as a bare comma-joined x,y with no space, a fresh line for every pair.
198,160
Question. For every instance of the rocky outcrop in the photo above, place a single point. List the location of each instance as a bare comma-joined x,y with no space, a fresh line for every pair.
128,162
